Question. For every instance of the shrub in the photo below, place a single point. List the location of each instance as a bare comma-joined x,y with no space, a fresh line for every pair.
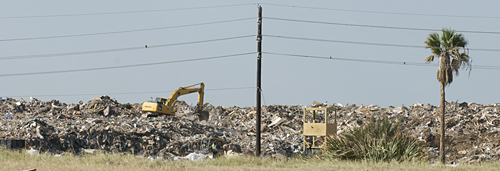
378,140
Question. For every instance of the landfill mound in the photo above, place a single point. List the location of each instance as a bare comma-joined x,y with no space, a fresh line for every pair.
106,125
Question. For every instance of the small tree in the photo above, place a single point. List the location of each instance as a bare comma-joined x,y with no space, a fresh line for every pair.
451,59
377,140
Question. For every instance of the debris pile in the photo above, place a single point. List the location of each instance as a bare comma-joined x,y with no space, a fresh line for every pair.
471,129
103,124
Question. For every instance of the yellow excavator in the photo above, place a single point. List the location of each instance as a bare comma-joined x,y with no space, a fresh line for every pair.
166,106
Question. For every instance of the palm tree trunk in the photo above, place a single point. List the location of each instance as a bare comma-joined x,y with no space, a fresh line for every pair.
441,143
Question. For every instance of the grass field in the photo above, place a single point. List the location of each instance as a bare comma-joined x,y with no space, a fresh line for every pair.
16,160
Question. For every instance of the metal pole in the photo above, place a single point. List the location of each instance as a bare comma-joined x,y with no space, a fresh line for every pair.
259,62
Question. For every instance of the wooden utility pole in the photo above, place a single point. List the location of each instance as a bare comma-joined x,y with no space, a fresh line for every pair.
259,62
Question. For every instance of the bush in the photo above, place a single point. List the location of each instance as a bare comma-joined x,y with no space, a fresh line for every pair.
378,140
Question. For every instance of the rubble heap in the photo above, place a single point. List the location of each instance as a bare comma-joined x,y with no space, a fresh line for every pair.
471,129
104,124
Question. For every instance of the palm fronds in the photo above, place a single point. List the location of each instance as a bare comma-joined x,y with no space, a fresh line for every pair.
448,45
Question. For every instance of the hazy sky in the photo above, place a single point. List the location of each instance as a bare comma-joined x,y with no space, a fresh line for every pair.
94,34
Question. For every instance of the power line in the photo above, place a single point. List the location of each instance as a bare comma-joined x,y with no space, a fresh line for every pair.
263,98
378,61
375,26
342,41
116,49
367,43
124,31
233,88
354,60
122,66
142,92
205,41
382,12
123,12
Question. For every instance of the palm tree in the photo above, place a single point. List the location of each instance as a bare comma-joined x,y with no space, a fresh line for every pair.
445,48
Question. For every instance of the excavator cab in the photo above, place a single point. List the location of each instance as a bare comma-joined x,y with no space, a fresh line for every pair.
159,100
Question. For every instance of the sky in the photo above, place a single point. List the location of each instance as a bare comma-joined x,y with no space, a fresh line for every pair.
73,51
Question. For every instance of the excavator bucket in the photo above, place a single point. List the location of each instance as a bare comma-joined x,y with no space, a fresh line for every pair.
203,115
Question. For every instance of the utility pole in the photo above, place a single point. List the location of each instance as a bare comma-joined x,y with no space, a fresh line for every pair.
259,62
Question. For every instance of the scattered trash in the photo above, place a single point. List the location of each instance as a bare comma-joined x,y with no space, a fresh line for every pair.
32,151
196,157
30,170
90,151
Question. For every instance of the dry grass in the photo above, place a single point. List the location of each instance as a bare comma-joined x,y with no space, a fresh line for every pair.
14,160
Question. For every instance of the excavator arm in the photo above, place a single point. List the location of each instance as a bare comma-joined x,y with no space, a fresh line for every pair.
166,106
188,90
